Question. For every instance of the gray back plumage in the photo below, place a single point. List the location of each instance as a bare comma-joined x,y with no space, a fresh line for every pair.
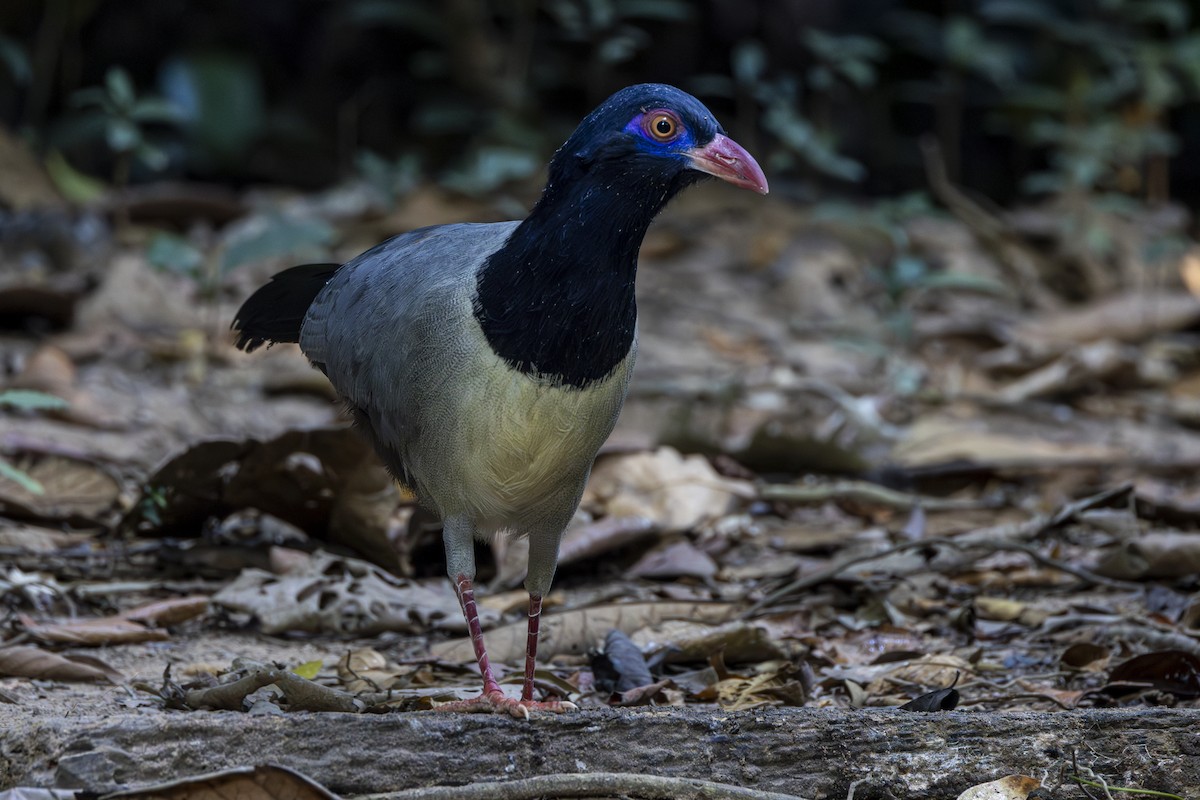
396,333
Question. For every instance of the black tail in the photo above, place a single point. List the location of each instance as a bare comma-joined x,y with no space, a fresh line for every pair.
275,312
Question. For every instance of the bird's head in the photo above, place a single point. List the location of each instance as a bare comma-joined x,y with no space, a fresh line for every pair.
654,134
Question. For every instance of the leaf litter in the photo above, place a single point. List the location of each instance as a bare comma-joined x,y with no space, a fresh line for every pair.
1002,501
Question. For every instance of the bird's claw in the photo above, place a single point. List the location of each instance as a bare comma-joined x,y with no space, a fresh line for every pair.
496,703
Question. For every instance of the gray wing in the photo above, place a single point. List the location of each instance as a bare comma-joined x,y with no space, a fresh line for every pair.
385,324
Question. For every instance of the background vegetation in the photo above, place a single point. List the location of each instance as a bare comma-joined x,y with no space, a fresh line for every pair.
1027,98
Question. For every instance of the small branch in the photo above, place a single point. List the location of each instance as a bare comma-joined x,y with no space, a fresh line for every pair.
867,493
1000,538
595,784
301,694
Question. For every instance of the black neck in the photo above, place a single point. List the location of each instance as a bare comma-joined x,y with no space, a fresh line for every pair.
558,299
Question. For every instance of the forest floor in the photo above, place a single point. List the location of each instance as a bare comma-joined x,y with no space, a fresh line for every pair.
872,454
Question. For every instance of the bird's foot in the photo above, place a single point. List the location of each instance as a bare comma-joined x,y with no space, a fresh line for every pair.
495,702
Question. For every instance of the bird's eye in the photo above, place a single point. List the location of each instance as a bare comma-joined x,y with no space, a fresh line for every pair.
663,126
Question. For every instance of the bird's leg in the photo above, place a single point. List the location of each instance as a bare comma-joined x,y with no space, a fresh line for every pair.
466,598
531,641
493,699
460,558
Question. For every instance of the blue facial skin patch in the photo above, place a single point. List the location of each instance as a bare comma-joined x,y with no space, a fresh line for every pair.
683,141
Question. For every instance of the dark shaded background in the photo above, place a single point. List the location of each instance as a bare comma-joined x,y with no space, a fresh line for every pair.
1027,97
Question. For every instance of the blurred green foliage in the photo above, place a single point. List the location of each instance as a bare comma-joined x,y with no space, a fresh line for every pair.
1028,98
115,113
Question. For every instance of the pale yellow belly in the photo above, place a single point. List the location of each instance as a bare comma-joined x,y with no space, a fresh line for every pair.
535,445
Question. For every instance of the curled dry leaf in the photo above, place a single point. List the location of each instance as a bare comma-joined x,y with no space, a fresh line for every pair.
1082,366
651,693
36,539
93,632
319,480
1125,316
937,700
74,489
169,612
677,492
1012,787
1001,609
939,438
1173,671
674,560
582,542
771,687
368,670
333,594
931,669
266,782
1156,554
129,627
20,661
740,642
1085,657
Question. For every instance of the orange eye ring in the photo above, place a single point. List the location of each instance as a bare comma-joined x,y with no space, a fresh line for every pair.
663,126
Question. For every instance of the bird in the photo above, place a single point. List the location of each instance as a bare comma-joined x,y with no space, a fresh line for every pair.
487,362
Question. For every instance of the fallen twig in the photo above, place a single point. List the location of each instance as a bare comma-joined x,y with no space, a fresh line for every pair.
646,787
1013,538
301,694
868,493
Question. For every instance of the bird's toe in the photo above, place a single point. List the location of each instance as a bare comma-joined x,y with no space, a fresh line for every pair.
497,703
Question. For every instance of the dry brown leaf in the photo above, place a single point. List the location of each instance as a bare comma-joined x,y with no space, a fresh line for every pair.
129,627
36,539
677,492
578,631
168,612
777,687
740,642
93,632
266,782
582,542
1085,657
1064,698
1189,271
1155,554
938,438
674,560
21,661
1012,787
48,369
134,295
1126,316
333,594
1173,671
930,671
999,608
29,793
300,477
74,489
1079,367
368,670
651,693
